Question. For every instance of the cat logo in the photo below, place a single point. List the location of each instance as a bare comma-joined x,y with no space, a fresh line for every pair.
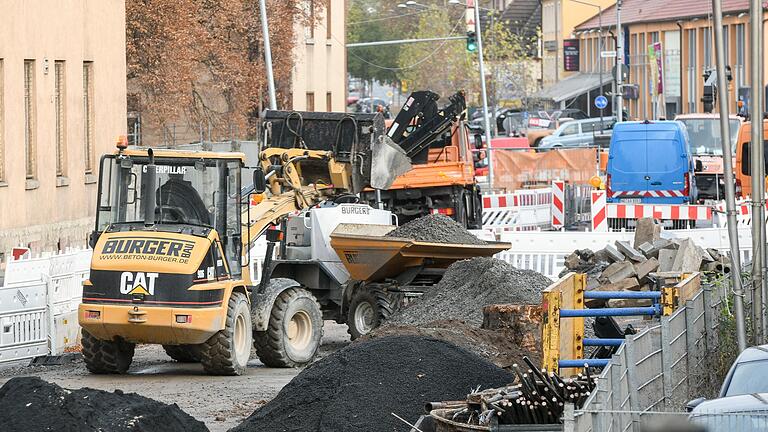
138,283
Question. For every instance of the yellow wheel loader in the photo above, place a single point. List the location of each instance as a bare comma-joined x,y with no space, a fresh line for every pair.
174,230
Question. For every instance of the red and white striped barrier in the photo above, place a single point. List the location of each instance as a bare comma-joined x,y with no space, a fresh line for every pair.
659,211
599,218
558,206
521,210
649,194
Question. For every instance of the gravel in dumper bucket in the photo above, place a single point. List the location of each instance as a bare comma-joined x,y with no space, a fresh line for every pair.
370,256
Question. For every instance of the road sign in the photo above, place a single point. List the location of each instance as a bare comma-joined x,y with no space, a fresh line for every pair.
601,102
607,54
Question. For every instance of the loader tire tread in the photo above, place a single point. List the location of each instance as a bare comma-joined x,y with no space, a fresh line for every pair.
217,353
106,357
388,303
270,344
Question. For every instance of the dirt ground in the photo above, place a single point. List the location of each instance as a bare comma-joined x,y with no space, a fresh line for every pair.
220,402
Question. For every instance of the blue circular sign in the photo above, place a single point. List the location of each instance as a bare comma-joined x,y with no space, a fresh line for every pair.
601,102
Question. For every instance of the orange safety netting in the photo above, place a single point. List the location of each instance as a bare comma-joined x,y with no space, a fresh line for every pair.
516,170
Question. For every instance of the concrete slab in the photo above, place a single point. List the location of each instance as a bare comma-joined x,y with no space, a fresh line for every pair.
613,254
618,271
688,258
666,259
647,231
648,266
630,252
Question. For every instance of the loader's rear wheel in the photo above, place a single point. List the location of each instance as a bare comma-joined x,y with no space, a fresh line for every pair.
106,357
295,329
227,352
369,308
183,353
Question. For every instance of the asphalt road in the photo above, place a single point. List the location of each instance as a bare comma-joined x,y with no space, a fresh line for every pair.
220,402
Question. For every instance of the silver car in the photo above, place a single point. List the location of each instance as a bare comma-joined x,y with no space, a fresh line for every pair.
577,133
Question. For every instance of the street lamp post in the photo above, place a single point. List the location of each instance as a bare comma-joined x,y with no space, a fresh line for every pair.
268,56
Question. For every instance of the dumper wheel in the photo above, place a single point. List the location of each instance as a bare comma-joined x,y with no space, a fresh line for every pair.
106,357
227,352
295,329
369,308
183,353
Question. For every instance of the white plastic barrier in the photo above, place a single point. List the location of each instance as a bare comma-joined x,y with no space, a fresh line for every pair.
38,304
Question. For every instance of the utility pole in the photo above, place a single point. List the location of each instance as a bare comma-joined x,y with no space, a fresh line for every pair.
268,55
730,195
619,63
486,121
757,170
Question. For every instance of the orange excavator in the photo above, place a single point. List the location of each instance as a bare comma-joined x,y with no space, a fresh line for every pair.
440,146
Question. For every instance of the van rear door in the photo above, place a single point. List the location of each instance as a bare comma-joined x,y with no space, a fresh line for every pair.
667,160
627,164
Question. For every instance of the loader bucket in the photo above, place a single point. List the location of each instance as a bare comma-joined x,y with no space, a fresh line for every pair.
388,162
368,255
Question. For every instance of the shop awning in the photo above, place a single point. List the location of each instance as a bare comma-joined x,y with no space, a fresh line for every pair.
574,86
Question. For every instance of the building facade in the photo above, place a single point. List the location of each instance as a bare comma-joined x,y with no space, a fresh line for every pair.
62,105
681,32
559,18
319,77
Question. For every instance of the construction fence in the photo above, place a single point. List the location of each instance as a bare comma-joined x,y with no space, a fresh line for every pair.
655,372
38,304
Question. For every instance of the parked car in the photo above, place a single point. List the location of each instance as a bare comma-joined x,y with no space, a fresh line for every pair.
742,403
544,124
650,162
577,133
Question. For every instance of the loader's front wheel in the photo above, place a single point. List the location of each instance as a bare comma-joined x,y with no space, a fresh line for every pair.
227,352
295,329
183,353
369,308
106,357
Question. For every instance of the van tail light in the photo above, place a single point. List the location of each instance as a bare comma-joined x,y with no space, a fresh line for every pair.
608,185
687,188
738,187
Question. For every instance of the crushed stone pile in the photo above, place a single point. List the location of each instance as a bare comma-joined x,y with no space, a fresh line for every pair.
499,346
358,387
468,286
435,228
31,404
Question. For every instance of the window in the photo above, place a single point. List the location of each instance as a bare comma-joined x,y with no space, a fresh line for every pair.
329,100
706,41
30,121
328,33
2,129
739,73
60,106
589,127
88,112
693,76
310,101
572,129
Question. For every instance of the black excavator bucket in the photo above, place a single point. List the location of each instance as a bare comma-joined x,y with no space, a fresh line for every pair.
357,139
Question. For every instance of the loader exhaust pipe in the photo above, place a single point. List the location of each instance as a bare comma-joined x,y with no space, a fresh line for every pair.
150,185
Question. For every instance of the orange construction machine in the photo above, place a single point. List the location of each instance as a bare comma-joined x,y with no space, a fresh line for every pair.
440,146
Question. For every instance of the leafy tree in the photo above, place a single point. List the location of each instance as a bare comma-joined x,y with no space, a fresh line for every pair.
368,21
443,67
201,61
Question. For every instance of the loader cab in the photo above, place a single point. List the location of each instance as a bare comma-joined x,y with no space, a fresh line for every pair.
191,193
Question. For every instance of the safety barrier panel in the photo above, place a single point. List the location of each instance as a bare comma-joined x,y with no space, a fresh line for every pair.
563,305
38,304
523,210
558,199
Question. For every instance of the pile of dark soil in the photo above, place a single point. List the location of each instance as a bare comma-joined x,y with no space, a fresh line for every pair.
469,285
359,387
436,228
31,404
501,347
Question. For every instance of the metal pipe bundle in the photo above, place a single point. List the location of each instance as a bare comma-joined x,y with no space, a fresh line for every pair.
538,397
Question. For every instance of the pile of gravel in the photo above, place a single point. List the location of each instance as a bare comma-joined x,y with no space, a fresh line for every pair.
359,387
435,228
31,404
468,286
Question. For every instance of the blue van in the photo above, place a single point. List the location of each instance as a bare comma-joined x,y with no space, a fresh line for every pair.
650,162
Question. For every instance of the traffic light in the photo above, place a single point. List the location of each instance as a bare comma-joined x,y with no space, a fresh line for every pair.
471,41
